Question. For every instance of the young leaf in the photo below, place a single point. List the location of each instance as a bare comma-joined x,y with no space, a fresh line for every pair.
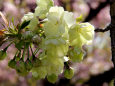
24,24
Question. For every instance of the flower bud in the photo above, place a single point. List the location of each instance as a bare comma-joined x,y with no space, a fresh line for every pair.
12,63
2,54
52,78
36,62
28,65
21,68
68,73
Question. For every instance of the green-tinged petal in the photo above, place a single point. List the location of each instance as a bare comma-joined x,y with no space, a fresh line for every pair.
41,12
39,72
51,29
81,34
86,27
33,23
43,7
56,50
53,65
87,31
69,19
27,17
65,59
76,54
58,10
45,2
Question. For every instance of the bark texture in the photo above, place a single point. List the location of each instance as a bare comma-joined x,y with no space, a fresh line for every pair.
112,32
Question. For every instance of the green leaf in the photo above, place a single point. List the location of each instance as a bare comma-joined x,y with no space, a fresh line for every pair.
24,24
19,45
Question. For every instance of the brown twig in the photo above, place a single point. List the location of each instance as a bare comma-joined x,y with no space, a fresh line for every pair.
93,12
103,30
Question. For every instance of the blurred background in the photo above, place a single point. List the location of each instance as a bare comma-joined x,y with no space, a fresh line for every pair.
97,59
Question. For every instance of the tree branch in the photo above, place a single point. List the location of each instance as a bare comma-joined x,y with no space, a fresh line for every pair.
112,32
103,30
93,12
111,27
98,80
